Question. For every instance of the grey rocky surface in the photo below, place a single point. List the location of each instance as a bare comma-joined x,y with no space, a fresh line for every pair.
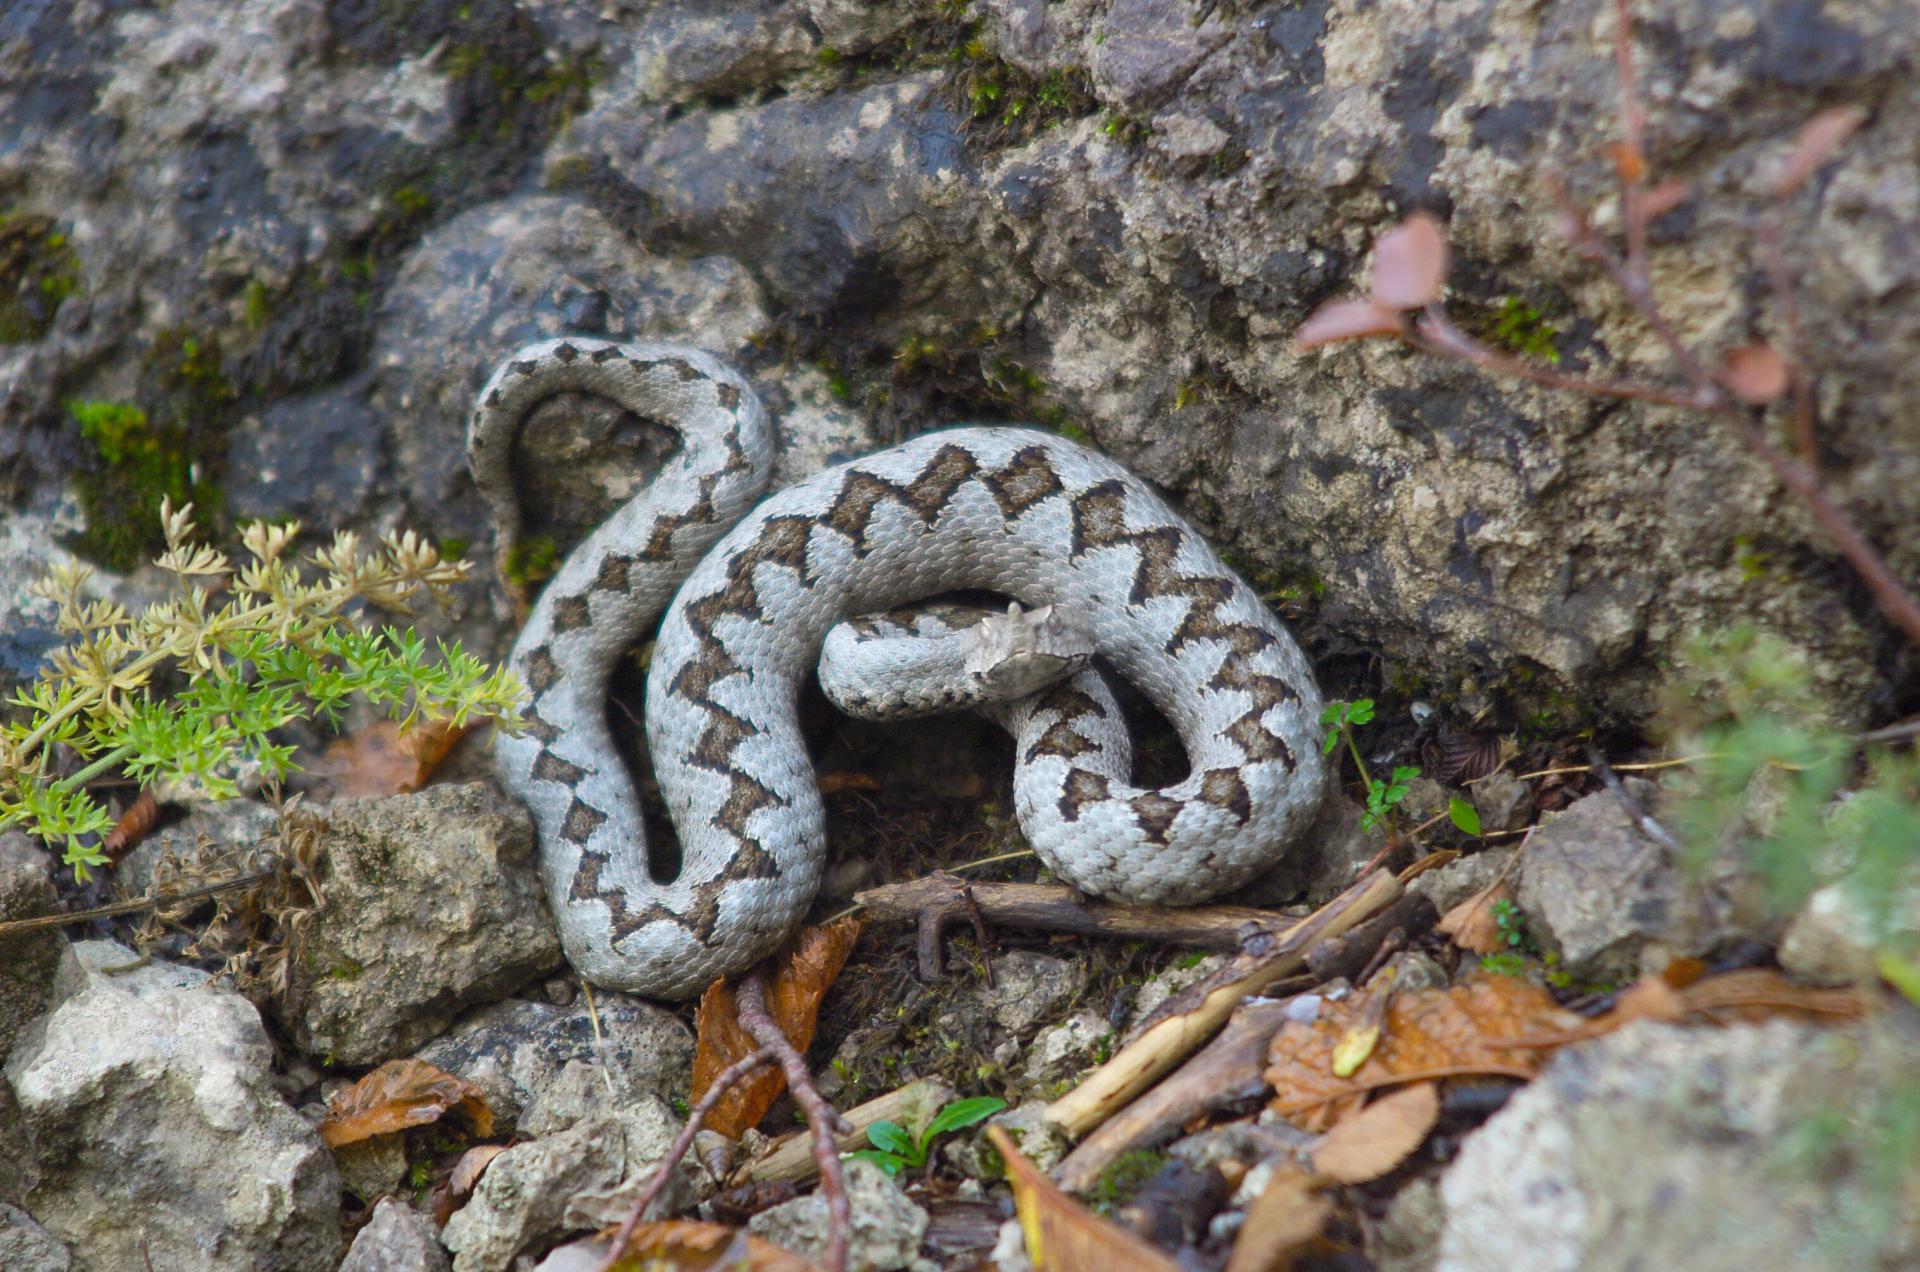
397,1239
432,906
1613,902
151,1121
886,1228
580,1178
27,1247
1028,989
515,1050
1660,1146
324,197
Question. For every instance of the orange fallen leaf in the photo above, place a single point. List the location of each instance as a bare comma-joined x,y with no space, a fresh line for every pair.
793,998
1410,263
1429,1033
458,1186
1379,1137
686,1245
1347,319
1061,1234
1749,994
1281,1220
380,760
1471,923
399,1094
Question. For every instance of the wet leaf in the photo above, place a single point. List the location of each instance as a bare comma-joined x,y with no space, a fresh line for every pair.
687,1245
1378,1138
1061,1234
1410,263
1754,373
1429,1033
1282,1219
1339,320
794,992
399,1094
1472,925
1820,138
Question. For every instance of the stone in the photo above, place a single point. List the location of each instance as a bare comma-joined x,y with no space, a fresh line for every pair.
1027,988
1661,1146
514,1050
152,1122
397,1239
432,906
1059,1051
1467,877
886,1232
580,1178
27,961
27,1247
1612,902
1834,938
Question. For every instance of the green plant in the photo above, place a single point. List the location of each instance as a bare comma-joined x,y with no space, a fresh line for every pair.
1383,797
1519,328
895,1150
260,645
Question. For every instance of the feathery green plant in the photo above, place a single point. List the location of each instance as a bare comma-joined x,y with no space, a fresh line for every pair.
260,645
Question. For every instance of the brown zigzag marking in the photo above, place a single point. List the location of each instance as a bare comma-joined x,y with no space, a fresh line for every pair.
1081,788
539,729
926,496
680,367
1257,742
1267,691
548,767
1061,740
604,354
725,731
1156,813
701,916
571,613
566,353
745,797
697,677
542,672
660,542
581,821
613,573
494,398
1224,788
729,396
1026,479
527,367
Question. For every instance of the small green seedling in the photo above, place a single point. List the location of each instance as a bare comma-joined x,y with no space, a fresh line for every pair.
894,1150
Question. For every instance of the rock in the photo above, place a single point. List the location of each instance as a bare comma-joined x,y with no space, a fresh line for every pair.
1503,801
432,905
1834,938
27,961
27,1247
1456,881
372,1167
1613,903
514,1050
583,1177
1327,860
1659,1146
1027,989
224,826
886,1232
1062,1050
397,1239
151,1117
1407,1237
1172,981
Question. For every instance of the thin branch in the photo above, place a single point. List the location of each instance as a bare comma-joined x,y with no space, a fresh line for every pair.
14,927
1805,408
1641,817
725,1081
823,1118
1442,338
1632,165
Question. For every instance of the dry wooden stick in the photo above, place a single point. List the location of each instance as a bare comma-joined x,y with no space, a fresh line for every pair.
935,900
1157,1050
911,1106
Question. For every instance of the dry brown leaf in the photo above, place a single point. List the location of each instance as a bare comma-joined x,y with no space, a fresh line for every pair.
1348,319
380,760
1749,994
457,1187
686,1245
1064,1236
1471,923
1429,1033
1820,137
1282,1219
805,973
1379,1137
1754,373
399,1094
840,780
1410,263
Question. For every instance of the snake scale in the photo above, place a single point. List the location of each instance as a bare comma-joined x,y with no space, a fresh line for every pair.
1013,511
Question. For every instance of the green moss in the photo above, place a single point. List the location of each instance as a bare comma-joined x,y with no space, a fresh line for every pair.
347,969
1518,328
1128,1173
532,560
258,306
453,548
38,273
412,201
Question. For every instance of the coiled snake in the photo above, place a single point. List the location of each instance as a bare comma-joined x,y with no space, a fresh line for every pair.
1014,511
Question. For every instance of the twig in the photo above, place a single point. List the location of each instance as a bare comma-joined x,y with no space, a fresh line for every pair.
1641,817
1440,337
724,1082
826,1122
15,926
1806,417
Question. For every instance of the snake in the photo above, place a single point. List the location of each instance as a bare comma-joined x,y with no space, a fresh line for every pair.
746,591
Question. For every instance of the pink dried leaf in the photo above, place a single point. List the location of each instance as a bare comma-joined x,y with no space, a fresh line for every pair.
1820,137
1663,198
1754,373
1410,262
1339,320
1447,338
